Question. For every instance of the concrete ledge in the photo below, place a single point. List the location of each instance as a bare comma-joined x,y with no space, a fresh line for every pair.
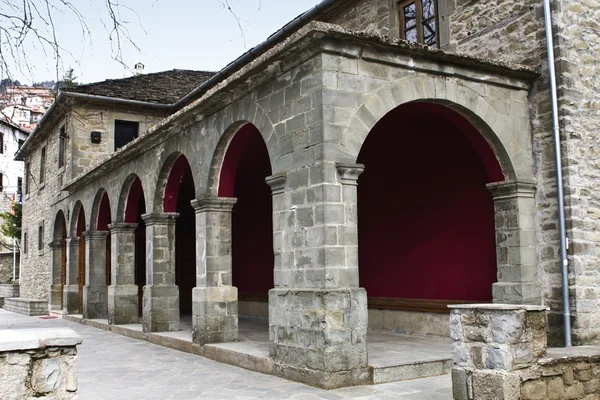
24,306
26,339
410,371
324,380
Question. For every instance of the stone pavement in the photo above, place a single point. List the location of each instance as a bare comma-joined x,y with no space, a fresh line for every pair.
117,367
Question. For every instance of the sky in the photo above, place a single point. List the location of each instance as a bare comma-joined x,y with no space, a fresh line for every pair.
181,34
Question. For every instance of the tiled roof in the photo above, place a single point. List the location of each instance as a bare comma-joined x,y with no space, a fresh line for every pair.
165,87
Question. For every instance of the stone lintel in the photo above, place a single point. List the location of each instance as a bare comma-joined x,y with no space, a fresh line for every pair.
95,235
122,227
512,189
277,182
349,173
214,204
160,218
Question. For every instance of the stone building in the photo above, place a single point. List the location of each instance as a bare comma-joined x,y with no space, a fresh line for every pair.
335,179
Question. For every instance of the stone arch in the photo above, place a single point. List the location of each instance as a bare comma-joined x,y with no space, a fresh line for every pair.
511,149
98,209
220,153
163,180
77,227
60,226
122,201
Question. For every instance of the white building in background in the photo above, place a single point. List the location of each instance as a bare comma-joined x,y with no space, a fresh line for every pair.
11,171
25,105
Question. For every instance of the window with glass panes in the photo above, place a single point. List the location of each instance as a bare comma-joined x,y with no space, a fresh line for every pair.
418,21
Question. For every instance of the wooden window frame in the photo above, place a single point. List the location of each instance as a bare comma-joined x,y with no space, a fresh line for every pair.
419,22
62,147
43,159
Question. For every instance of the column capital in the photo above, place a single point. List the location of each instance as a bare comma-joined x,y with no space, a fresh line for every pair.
95,235
73,241
122,227
160,218
277,182
214,204
512,189
56,244
349,173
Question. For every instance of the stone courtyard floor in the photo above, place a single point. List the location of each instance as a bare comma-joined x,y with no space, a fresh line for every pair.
112,366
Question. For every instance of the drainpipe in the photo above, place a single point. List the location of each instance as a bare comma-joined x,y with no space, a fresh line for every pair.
559,178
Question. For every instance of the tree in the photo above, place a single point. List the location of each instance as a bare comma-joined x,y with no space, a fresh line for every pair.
32,25
11,226
67,81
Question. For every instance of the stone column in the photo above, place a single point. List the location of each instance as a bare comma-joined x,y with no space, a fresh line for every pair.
160,309
317,312
123,292
514,207
214,299
95,303
490,343
56,289
71,289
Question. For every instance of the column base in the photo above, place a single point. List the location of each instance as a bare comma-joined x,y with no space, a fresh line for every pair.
319,336
215,314
56,296
517,293
123,304
160,311
71,299
95,304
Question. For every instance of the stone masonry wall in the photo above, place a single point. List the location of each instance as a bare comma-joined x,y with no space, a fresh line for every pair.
500,352
578,52
38,363
572,377
101,118
6,267
37,203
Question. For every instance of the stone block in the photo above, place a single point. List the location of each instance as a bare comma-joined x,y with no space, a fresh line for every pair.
496,385
160,312
123,306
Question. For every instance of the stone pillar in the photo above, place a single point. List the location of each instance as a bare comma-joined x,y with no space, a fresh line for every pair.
514,207
71,289
160,309
123,292
56,289
214,299
317,312
95,303
490,342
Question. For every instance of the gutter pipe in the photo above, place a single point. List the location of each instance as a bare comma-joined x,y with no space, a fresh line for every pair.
230,68
559,177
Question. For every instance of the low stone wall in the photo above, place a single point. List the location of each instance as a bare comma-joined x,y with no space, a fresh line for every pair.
38,363
500,353
23,306
8,290
574,376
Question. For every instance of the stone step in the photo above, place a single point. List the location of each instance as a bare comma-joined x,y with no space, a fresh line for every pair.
414,370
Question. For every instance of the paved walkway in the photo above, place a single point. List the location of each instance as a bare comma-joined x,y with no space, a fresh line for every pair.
116,367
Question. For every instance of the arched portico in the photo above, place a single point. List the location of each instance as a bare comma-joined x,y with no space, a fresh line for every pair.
493,135
128,265
59,261
97,253
235,251
73,290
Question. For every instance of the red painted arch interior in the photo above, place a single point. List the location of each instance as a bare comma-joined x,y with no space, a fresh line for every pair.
245,167
425,217
178,169
104,213
132,205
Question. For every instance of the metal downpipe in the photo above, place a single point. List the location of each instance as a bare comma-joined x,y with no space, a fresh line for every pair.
559,177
